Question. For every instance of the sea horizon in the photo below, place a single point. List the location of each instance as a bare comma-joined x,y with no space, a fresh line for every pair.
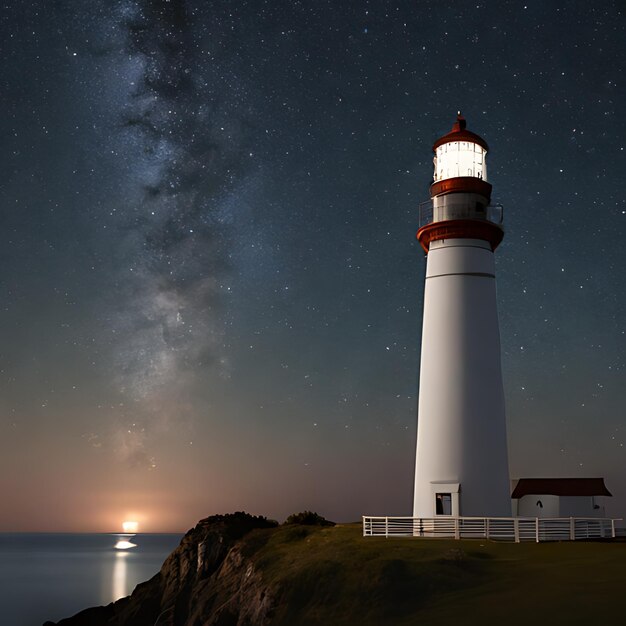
53,575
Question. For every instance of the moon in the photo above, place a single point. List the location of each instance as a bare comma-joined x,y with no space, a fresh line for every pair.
130,526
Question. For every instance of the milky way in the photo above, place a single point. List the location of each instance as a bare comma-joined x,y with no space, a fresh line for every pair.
210,287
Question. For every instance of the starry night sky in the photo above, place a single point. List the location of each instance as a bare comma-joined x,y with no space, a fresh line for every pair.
210,287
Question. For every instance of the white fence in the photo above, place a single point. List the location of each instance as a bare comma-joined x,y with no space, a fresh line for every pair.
498,528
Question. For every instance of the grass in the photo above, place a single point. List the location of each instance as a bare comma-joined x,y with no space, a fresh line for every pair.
336,576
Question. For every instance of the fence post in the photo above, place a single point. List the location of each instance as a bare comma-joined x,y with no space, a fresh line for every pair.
457,534
572,529
613,528
516,529
386,527
486,527
537,529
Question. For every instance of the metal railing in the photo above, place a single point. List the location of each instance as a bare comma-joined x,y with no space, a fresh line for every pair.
425,213
493,213
498,528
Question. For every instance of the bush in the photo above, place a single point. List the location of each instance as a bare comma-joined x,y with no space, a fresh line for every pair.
235,525
308,518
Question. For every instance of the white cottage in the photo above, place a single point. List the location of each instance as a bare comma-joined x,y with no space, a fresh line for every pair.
559,497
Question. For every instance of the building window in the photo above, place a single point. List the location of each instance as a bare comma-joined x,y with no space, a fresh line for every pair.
443,503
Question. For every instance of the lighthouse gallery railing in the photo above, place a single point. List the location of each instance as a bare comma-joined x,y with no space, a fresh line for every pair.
493,213
498,528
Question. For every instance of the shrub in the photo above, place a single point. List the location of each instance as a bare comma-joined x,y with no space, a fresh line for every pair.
308,518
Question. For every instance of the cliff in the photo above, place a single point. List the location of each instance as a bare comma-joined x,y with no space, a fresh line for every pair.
206,580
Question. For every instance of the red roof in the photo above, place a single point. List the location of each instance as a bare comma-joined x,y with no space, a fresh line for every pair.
460,133
560,487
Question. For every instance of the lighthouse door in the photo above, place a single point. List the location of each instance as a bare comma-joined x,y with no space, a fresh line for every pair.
445,498
443,503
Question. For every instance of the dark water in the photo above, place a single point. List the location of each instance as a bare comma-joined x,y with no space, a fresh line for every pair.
51,576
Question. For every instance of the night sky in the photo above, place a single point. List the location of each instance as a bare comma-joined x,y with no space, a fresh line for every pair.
210,288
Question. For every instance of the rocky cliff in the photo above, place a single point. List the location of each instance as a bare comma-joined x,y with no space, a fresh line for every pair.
208,580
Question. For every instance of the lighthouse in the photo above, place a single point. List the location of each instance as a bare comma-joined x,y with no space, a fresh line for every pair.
461,464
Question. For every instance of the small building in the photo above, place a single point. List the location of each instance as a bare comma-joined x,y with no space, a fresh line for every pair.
559,497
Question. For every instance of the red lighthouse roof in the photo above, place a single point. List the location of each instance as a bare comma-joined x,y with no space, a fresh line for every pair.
560,487
460,133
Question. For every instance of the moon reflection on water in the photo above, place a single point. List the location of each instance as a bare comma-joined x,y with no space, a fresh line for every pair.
120,566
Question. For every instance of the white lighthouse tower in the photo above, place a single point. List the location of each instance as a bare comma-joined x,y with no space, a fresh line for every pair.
461,463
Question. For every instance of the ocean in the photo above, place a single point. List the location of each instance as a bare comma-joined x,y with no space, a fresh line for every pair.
52,576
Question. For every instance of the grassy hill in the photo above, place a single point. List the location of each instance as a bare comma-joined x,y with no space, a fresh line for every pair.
336,576
240,570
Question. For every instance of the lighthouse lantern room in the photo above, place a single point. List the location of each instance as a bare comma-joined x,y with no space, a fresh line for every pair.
461,460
